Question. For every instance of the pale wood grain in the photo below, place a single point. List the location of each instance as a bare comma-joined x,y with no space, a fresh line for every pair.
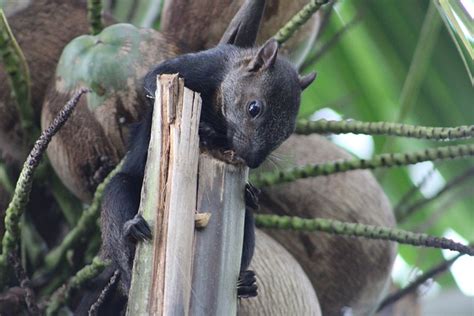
184,271
162,269
219,246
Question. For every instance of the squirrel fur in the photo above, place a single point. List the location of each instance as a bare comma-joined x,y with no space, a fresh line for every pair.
250,100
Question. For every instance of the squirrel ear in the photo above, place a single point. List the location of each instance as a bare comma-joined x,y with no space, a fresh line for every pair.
306,80
265,57
242,30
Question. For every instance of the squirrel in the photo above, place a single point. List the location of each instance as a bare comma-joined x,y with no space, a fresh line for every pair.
250,100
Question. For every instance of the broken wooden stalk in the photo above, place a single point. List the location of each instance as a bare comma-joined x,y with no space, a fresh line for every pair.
183,271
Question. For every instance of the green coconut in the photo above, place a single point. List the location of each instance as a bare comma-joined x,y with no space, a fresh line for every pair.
112,64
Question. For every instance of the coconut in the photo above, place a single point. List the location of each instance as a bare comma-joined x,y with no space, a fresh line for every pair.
202,23
283,286
346,272
42,29
112,64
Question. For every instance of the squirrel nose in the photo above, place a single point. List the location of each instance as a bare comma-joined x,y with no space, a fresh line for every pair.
253,160
252,164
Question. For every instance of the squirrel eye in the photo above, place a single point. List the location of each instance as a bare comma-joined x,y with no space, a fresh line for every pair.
255,107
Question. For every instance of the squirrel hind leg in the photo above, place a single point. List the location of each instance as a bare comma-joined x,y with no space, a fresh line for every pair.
247,284
137,229
134,230
251,196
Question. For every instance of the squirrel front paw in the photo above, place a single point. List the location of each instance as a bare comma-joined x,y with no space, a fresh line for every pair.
247,284
137,229
208,136
251,196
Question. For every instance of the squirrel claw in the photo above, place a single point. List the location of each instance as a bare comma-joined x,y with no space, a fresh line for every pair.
247,284
208,136
137,229
251,196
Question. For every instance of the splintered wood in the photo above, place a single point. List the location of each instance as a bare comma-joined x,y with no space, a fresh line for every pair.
218,247
184,271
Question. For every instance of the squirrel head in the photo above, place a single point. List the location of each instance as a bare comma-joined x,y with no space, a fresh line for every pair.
260,101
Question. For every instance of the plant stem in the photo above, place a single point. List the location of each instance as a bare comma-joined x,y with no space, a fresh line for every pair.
384,128
298,20
402,213
25,284
414,189
70,205
311,60
359,230
5,180
62,295
94,14
436,270
23,186
18,75
379,161
85,226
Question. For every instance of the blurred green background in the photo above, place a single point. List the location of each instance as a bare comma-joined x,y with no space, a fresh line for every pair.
400,63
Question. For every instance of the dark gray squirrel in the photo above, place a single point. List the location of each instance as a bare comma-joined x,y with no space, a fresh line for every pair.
250,100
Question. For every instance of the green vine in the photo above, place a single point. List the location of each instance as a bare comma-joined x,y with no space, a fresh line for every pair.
413,286
414,189
23,186
85,226
62,295
385,160
25,284
69,204
18,75
94,14
5,181
384,128
312,59
360,230
297,20
403,212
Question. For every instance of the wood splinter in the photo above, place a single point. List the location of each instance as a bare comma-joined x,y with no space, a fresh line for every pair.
201,220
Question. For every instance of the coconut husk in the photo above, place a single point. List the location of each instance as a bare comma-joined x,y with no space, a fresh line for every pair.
194,17
42,29
346,272
283,287
93,140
